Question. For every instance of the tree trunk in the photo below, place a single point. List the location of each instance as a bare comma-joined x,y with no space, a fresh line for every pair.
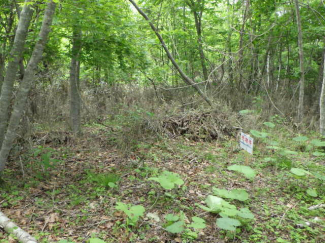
13,65
228,45
75,102
279,67
318,84
12,228
26,84
322,103
185,78
2,69
241,43
7,26
301,61
198,26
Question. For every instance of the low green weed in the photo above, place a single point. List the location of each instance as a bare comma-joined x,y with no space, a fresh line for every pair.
133,212
176,224
168,180
107,180
91,240
44,157
231,216
247,171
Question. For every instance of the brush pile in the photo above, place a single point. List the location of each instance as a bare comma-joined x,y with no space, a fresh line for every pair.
200,126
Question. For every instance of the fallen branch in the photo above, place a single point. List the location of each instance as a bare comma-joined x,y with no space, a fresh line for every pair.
317,206
12,228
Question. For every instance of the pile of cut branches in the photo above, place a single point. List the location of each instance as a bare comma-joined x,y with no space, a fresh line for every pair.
200,126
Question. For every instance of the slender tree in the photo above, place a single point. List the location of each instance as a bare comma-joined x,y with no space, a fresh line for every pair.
301,64
75,102
13,65
241,42
197,8
26,83
6,27
230,15
322,102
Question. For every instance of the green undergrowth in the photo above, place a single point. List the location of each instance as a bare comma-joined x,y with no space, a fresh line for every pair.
174,189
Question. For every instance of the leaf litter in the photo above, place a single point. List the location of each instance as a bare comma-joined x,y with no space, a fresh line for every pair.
67,204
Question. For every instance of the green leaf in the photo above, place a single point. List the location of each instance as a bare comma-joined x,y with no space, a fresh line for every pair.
319,176
190,234
273,147
228,223
259,134
269,124
299,172
229,212
96,240
204,208
245,213
217,204
171,217
245,112
238,194
111,185
269,159
285,152
309,147
317,143
312,192
273,143
198,223
300,139
168,180
176,228
121,206
133,212
318,154
280,240
214,203
46,159
246,170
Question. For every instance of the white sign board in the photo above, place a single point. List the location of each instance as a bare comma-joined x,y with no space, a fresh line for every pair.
246,142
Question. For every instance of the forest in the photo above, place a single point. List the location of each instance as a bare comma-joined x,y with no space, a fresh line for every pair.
162,121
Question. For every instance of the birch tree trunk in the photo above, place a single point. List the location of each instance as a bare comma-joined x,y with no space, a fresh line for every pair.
74,83
13,65
322,103
185,78
26,84
301,62
12,228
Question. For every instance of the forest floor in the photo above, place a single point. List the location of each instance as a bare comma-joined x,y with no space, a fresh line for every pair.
67,190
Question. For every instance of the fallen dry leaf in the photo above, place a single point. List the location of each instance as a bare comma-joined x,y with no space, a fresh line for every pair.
52,218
